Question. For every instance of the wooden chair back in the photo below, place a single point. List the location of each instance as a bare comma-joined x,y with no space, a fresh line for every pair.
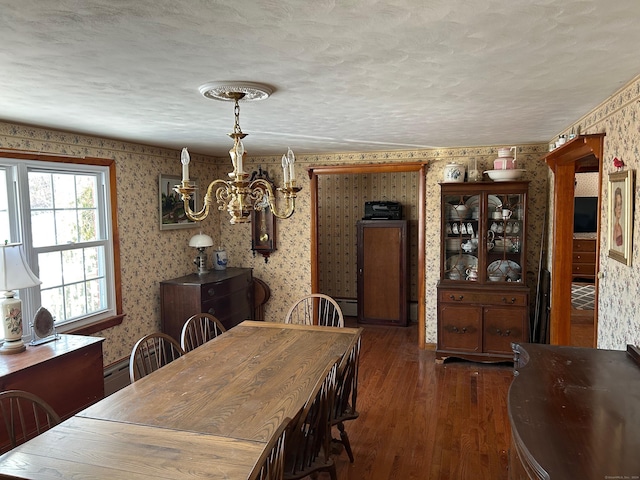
152,352
24,416
316,309
199,329
344,406
270,465
307,448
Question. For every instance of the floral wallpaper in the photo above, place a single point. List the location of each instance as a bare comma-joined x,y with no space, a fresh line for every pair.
618,302
149,255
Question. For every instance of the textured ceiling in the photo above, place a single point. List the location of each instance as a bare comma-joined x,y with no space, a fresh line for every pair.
348,75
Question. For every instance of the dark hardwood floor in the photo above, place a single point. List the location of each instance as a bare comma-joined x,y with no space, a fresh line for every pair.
419,420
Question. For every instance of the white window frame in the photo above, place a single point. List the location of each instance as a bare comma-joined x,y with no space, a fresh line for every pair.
18,193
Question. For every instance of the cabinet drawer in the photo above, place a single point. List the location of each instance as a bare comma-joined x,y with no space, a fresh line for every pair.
459,328
228,304
483,298
587,270
584,257
584,245
219,289
502,326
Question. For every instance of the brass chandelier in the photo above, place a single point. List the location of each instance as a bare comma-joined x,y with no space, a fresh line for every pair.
239,195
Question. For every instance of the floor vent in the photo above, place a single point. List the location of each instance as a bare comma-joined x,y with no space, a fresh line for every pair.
116,376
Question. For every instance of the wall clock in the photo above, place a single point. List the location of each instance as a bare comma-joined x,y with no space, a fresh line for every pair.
263,222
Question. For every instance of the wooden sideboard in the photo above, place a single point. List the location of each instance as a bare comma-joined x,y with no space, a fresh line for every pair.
226,294
584,258
574,413
66,373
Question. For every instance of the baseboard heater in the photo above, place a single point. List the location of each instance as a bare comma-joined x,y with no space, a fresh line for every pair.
349,307
116,376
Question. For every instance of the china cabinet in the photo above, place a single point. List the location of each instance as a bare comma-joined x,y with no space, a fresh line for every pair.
483,299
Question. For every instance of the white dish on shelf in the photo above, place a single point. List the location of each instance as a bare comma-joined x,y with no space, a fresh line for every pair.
493,202
461,263
505,175
453,244
507,268
458,212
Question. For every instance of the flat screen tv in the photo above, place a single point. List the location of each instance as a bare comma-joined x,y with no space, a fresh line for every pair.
585,214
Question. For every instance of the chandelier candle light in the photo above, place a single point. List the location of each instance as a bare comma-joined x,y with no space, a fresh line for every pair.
239,196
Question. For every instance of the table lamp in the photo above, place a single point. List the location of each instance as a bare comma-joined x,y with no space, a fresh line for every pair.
201,241
14,275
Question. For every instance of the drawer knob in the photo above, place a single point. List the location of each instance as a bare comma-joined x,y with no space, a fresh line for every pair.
211,311
458,299
504,300
211,292
459,330
506,333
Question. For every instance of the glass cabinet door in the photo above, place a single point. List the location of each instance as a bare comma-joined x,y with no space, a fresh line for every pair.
483,234
461,237
504,229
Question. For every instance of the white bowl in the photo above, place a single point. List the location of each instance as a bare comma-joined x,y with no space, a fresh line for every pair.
504,175
458,212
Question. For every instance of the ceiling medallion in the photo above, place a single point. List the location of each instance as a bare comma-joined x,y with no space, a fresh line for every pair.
229,91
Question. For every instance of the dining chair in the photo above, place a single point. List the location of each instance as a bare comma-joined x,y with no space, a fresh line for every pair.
152,352
316,309
199,329
307,449
24,416
270,465
344,406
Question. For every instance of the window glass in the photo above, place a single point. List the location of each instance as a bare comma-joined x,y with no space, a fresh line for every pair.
59,212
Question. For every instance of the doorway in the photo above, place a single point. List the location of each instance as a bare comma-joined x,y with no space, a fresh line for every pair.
582,154
420,167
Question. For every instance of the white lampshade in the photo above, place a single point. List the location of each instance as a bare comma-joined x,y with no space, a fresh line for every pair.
14,271
14,275
200,241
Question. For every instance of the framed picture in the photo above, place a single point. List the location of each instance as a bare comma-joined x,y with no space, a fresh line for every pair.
620,232
171,206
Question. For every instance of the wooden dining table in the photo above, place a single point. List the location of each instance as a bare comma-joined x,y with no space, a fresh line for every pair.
208,414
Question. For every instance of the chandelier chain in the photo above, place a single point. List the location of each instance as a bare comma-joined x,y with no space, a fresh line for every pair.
236,111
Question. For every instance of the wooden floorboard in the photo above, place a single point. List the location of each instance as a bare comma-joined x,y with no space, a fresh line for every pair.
419,420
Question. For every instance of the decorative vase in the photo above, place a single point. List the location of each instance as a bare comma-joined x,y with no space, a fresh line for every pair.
454,172
220,260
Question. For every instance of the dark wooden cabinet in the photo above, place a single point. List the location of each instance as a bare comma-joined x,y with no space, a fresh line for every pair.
382,272
67,373
483,300
226,294
584,258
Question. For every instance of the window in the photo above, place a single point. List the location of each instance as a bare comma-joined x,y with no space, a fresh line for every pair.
61,214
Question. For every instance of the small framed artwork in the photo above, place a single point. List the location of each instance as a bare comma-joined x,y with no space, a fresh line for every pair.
620,211
171,206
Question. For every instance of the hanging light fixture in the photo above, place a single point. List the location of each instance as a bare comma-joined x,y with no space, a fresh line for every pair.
239,196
